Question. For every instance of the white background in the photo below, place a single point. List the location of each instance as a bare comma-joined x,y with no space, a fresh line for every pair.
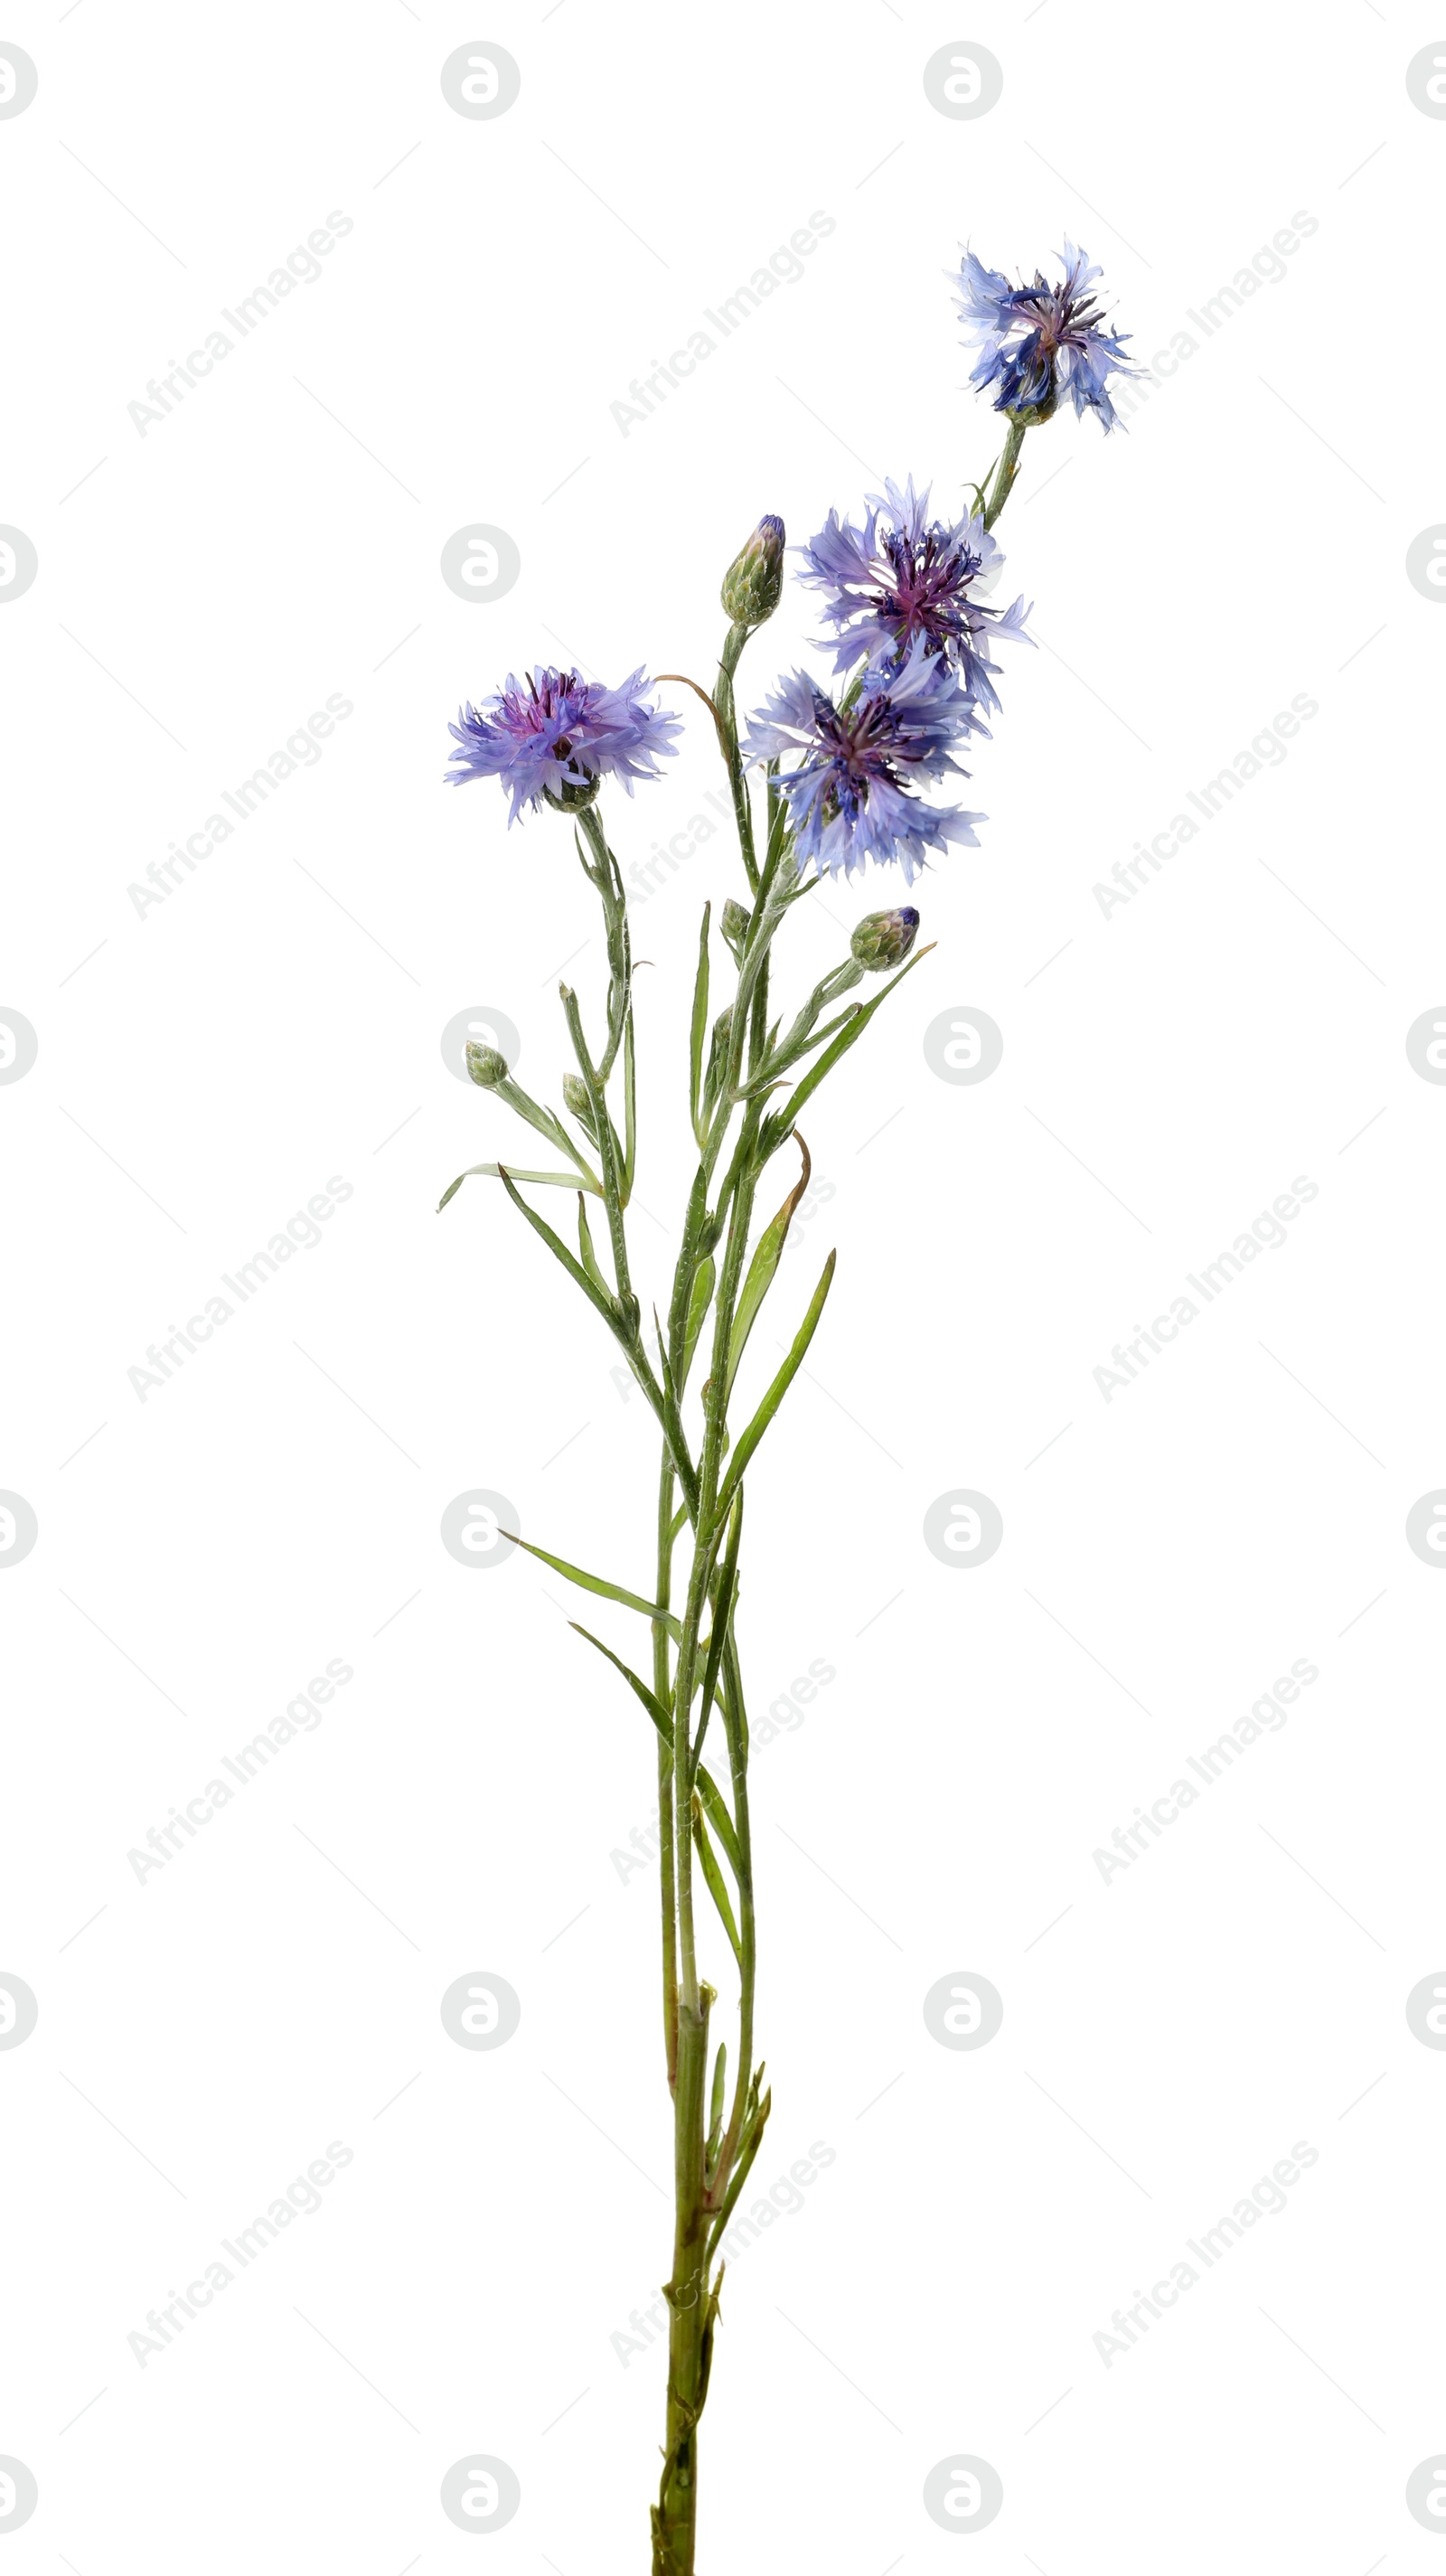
1169,1067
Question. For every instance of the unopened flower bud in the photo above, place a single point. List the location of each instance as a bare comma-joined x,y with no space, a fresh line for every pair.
485,1065
734,926
884,939
753,583
577,1099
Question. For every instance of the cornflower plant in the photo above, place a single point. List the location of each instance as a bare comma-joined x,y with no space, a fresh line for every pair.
842,774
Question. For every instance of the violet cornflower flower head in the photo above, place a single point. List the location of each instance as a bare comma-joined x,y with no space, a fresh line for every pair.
902,576
556,737
853,795
1038,342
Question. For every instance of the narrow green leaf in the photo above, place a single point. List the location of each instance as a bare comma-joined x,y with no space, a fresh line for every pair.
714,1877
722,1613
748,1442
596,1296
590,1261
651,1702
750,2146
720,1820
782,1120
720,2078
597,1583
700,1022
494,1172
708,1789
763,1267
686,1270
704,1278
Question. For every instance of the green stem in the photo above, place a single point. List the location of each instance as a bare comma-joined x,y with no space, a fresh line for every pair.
691,2306
1004,472
733,643
665,1773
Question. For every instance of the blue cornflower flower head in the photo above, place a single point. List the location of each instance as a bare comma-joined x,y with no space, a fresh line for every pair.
902,577
556,737
853,795
1038,342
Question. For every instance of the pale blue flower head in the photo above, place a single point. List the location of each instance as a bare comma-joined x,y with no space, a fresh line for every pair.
859,762
1040,341
901,577
556,737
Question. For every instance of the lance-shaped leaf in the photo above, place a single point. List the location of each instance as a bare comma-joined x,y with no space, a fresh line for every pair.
714,1877
495,1172
700,1022
763,1267
590,1261
849,1035
753,2140
687,1265
596,1296
722,1612
704,1278
749,1439
715,2109
598,1583
707,1787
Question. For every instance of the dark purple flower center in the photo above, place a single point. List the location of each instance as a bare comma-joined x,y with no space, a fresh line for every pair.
861,741
931,579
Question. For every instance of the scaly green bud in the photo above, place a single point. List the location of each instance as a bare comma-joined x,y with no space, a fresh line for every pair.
736,919
884,939
577,1099
753,583
485,1065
